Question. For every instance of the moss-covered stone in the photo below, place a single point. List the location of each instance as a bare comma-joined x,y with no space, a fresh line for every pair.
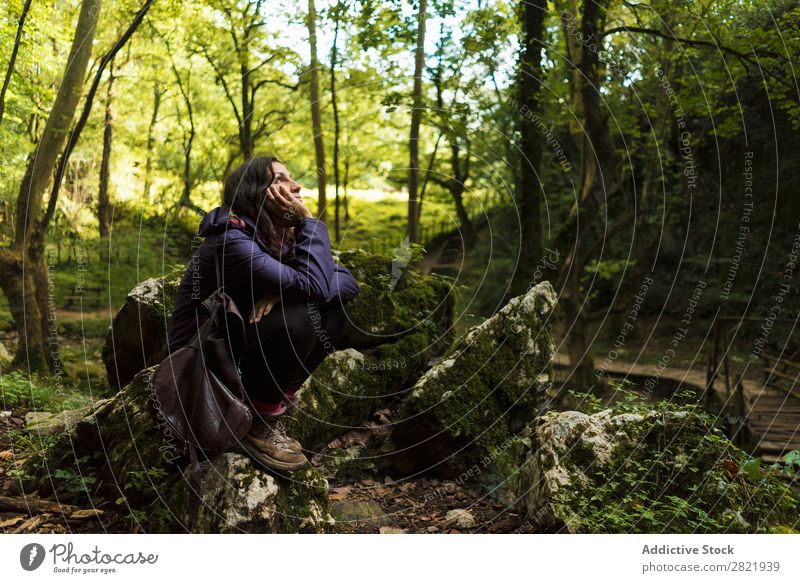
489,386
121,455
137,336
396,300
667,469
349,384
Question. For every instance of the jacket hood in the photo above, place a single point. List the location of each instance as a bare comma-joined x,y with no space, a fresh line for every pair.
221,218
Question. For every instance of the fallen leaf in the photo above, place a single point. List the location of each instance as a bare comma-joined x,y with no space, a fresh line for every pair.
6,455
339,493
391,530
731,467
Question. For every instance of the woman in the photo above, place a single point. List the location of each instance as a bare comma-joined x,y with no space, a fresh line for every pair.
278,268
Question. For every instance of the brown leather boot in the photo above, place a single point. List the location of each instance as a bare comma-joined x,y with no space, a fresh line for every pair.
268,443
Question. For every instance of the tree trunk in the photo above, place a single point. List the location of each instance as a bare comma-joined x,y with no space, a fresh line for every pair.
43,160
337,224
597,154
12,61
158,92
188,142
528,190
345,185
316,115
103,199
416,120
248,108
22,266
569,20
581,374
467,228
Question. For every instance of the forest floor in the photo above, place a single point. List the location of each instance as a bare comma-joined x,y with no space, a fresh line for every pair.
363,503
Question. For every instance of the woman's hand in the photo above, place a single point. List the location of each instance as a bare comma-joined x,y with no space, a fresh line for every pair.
289,208
262,306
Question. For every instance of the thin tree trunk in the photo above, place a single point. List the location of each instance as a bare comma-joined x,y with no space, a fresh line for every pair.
528,190
337,224
103,199
345,185
248,108
188,142
12,61
416,120
597,155
425,182
158,92
316,114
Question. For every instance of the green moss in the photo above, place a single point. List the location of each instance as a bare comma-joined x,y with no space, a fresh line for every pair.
672,473
303,502
398,300
344,389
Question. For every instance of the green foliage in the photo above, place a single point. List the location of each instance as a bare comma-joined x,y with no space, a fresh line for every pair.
678,473
34,446
18,390
73,481
141,497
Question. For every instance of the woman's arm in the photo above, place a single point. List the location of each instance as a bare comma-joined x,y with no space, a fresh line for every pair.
344,285
311,276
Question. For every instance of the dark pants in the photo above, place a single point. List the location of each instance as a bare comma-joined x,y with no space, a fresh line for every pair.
285,346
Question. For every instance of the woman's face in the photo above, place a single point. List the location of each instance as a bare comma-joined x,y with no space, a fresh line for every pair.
284,178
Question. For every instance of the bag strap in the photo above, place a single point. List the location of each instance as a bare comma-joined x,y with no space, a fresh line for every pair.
217,261
208,303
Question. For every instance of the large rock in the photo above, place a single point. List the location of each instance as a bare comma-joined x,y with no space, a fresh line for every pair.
646,471
350,384
490,385
137,337
396,300
116,452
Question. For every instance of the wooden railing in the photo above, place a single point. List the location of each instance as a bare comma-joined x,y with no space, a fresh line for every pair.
776,372
780,373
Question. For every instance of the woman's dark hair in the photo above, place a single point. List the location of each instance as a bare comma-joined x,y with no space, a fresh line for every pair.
245,192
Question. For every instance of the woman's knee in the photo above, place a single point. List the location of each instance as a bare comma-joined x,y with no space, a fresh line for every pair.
303,321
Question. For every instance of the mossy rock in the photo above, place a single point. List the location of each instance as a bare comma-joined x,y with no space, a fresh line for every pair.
350,384
137,336
665,470
396,300
117,452
490,385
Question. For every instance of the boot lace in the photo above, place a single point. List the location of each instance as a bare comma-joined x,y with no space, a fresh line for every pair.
276,433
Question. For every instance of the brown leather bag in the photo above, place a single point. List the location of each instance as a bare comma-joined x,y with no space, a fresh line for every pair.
201,400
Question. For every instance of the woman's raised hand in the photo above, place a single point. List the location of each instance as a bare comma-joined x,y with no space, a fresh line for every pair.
282,203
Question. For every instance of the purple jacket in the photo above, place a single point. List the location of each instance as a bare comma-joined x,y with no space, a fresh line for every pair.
249,271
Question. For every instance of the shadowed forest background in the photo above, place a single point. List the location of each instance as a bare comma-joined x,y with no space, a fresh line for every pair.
642,157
